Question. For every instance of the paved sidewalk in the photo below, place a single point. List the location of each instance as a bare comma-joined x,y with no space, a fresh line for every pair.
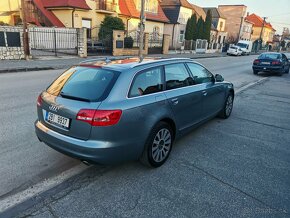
48,63
237,167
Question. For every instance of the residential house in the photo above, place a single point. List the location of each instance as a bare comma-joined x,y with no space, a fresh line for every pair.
218,33
155,17
235,15
261,28
178,12
246,30
68,13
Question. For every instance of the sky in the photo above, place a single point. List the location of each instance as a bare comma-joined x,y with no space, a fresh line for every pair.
277,11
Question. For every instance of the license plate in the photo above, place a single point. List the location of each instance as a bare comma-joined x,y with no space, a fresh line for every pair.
265,63
56,119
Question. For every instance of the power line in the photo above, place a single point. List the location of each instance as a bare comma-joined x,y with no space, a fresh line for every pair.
280,23
277,15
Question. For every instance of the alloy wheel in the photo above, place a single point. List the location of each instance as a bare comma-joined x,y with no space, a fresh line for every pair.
161,145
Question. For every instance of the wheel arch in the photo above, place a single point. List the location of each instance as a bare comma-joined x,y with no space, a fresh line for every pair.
171,123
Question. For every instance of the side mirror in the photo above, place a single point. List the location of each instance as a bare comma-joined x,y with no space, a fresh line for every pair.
219,78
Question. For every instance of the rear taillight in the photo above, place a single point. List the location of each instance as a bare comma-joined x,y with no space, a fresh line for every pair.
256,61
39,100
276,62
99,117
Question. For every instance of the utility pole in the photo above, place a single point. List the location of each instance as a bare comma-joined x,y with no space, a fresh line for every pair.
241,25
25,30
142,25
260,39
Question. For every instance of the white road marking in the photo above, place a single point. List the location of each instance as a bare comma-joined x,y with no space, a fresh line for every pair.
249,85
43,186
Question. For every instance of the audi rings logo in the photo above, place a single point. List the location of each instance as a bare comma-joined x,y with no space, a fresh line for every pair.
53,108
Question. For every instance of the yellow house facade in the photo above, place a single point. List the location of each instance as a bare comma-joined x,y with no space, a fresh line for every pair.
267,34
10,12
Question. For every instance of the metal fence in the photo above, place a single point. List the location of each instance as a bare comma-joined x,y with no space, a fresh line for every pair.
101,43
53,41
190,45
155,43
201,45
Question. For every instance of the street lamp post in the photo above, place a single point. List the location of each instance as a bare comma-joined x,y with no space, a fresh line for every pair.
141,35
25,30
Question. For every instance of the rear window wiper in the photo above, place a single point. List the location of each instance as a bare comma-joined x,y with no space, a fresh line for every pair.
74,97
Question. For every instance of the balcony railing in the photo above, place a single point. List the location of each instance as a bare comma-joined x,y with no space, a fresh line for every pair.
106,6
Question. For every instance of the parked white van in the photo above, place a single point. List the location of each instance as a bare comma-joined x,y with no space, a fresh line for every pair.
246,46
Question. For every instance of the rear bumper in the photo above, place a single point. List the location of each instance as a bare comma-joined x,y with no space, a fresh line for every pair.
277,69
102,152
233,53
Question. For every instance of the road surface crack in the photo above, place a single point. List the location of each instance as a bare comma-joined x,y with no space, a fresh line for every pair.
190,166
261,123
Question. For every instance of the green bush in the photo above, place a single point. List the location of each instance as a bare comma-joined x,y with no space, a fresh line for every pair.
108,25
128,42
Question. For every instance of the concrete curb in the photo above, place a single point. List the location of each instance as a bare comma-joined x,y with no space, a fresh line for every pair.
28,69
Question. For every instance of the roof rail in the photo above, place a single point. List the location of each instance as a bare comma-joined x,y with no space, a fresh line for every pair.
162,60
106,59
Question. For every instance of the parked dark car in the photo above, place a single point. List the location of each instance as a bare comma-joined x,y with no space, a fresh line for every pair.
271,62
112,111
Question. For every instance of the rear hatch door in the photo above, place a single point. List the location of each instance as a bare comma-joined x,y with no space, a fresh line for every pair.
76,89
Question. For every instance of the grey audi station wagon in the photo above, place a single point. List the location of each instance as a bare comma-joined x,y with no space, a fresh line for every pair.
109,111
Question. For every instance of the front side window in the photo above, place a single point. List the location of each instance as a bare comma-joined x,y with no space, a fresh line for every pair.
200,74
147,82
177,76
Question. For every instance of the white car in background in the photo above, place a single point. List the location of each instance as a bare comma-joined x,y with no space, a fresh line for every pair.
246,46
234,50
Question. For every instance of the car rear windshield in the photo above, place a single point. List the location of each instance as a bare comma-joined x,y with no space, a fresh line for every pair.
84,84
233,47
270,56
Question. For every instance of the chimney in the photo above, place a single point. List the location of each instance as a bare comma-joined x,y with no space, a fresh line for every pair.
248,13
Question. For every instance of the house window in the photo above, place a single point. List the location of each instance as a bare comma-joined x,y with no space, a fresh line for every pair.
181,36
219,40
221,25
224,39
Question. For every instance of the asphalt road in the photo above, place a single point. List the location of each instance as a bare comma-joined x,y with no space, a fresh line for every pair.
208,173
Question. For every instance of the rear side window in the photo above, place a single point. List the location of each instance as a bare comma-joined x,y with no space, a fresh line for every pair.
147,82
176,76
82,83
200,74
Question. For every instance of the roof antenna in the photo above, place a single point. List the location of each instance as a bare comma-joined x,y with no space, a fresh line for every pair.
107,60
141,59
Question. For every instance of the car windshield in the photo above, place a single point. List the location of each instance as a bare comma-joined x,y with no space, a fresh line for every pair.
242,45
270,56
84,84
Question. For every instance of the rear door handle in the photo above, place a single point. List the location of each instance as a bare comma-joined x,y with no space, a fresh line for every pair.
174,101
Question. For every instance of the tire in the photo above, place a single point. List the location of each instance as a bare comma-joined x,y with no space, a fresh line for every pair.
255,72
287,71
228,107
158,146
